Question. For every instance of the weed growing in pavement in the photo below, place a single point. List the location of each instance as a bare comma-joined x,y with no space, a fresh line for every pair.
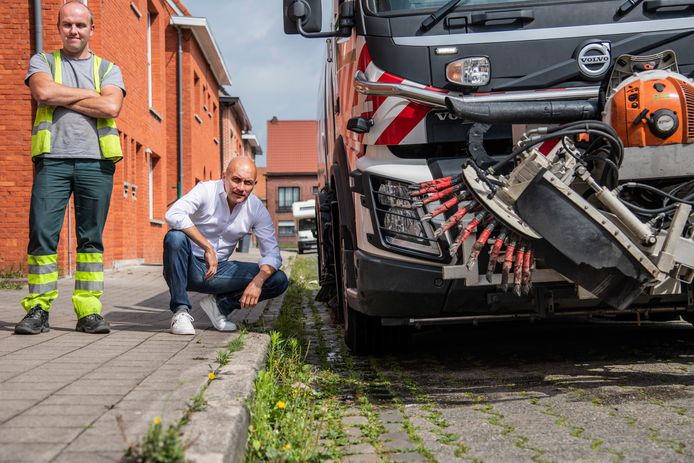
676,446
166,445
407,425
8,279
198,402
236,344
223,357
284,410
290,322
433,415
295,412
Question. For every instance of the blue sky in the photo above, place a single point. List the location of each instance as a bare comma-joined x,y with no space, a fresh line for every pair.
273,73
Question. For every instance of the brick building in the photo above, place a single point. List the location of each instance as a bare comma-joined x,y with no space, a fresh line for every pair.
292,148
164,154
240,140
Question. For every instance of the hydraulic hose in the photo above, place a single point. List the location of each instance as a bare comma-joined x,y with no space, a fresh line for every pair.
524,112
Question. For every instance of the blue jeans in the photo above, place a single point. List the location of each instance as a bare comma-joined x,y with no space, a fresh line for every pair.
185,272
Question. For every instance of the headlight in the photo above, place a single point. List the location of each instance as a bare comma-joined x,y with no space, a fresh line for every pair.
399,222
471,72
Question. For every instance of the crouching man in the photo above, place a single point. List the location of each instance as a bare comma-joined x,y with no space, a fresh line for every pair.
206,225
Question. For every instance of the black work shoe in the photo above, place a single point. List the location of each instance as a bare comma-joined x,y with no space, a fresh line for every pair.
34,322
94,324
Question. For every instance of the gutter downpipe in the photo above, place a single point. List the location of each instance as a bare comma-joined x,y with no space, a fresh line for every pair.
179,99
221,138
38,26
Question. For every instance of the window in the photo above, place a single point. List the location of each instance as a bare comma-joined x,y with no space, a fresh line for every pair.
410,5
286,196
197,91
154,182
314,190
155,52
285,228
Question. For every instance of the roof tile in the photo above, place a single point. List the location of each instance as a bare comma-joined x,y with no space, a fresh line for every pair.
292,146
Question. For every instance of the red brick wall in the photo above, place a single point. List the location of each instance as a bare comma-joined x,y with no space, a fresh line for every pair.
274,182
15,131
233,143
203,117
120,36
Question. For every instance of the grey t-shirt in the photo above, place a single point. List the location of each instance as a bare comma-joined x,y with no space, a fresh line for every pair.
74,135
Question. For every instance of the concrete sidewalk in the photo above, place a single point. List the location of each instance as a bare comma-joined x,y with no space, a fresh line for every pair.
60,392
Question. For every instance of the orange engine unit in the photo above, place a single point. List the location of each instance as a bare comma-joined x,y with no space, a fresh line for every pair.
653,108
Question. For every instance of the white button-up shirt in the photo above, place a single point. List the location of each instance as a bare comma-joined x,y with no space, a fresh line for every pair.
206,207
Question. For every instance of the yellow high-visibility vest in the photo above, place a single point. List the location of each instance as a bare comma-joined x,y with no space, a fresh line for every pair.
109,140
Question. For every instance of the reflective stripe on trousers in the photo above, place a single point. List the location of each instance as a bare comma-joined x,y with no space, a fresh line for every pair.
89,284
43,281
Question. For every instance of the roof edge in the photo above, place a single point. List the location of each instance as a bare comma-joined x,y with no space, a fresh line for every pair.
203,35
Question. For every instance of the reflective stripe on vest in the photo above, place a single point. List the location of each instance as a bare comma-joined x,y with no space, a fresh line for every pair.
109,140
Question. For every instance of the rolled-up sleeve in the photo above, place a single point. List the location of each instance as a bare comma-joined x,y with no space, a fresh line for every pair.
178,215
267,243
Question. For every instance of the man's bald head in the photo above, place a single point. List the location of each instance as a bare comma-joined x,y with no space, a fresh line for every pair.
75,5
239,180
242,164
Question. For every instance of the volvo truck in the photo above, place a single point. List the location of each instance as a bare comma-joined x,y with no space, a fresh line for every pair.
447,128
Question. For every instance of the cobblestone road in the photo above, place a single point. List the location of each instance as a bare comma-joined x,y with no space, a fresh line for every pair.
573,391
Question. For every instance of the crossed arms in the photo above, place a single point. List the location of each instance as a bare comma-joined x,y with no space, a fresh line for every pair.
84,101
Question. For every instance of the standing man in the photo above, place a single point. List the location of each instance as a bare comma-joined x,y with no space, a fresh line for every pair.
74,146
207,224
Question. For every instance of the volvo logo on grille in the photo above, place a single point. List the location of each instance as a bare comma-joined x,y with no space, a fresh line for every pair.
594,59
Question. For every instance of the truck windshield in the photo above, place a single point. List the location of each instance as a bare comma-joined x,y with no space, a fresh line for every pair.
386,6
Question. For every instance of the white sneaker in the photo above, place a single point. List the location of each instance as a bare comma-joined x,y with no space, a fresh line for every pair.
181,323
209,305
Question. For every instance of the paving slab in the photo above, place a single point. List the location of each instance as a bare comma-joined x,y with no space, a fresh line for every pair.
73,388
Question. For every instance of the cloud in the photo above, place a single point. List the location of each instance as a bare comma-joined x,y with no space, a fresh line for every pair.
273,73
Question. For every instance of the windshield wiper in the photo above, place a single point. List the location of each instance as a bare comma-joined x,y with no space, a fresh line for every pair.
438,15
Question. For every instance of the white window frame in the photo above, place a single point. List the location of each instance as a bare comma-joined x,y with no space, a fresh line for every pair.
151,186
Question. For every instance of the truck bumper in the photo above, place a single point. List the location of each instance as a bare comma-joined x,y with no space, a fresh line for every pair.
307,245
392,288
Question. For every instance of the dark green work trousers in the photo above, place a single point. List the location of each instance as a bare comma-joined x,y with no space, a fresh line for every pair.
91,182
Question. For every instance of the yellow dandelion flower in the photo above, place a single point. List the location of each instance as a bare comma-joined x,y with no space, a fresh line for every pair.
280,404
288,446
211,376
156,420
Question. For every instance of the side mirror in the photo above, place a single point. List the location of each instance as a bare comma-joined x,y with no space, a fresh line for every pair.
309,11
305,17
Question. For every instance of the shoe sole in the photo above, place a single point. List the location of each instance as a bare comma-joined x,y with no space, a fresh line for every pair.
186,333
99,331
44,329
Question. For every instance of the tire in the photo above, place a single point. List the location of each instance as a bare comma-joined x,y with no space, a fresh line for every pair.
364,334
358,332
357,325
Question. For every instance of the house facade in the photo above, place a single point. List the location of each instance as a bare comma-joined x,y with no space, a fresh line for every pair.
170,126
292,161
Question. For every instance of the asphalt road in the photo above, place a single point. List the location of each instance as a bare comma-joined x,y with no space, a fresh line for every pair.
569,391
